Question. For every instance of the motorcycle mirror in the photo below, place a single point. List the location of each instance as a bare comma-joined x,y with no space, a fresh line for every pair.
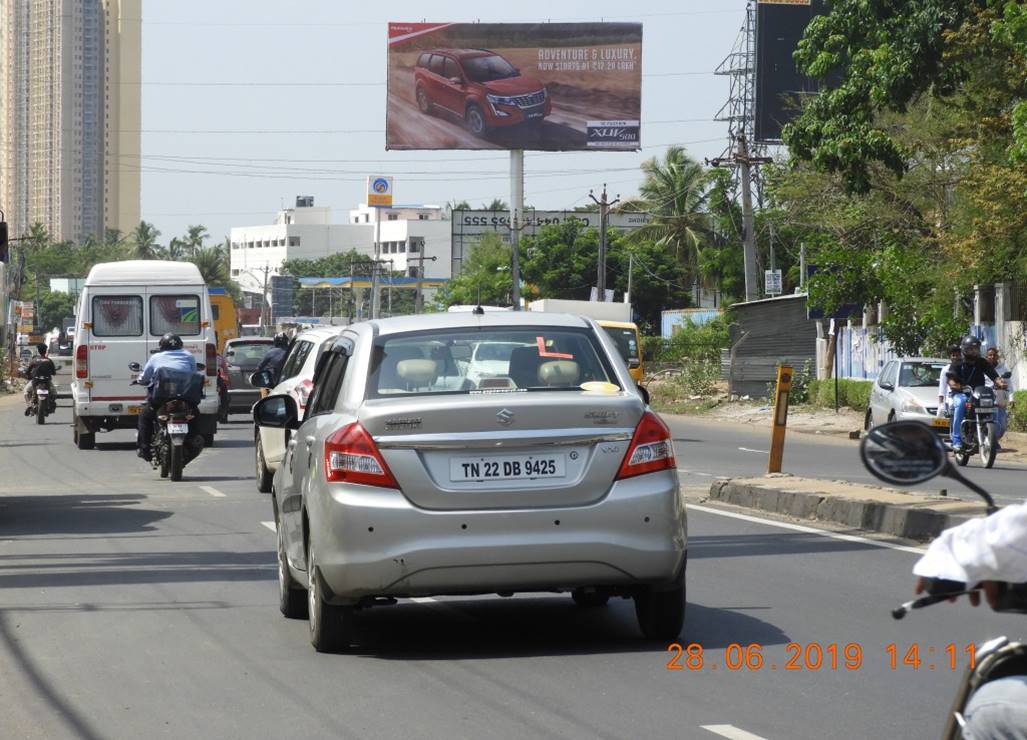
200,366
1007,375
904,453
135,367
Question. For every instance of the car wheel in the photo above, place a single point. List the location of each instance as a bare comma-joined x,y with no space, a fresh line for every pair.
589,598
475,118
85,440
264,476
329,624
424,103
292,599
661,614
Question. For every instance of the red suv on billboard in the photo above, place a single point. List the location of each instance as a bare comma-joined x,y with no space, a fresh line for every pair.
481,87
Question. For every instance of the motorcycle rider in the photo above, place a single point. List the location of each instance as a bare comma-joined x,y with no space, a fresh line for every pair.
970,372
41,367
1002,398
170,359
944,391
985,551
275,358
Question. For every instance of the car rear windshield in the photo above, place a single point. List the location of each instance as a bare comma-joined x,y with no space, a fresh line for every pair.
248,355
526,359
117,316
179,314
920,374
486,69
626,341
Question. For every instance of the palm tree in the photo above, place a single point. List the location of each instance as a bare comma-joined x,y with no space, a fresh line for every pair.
144,241
38,236
194,238
674,194
497,204
211,263
176,248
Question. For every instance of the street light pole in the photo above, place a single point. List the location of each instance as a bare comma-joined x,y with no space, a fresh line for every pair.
419,296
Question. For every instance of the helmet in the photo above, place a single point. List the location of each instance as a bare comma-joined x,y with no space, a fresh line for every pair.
42,348
971,346
281,340
170,341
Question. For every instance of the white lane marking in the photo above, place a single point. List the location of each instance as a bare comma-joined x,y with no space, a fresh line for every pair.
761,452
271,526
808,530
730,731
212,491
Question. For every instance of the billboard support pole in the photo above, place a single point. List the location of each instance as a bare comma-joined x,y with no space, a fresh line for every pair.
516,211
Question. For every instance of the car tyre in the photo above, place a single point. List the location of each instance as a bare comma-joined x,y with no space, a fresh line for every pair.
424,103
85,440
292,598
264,476
661,613
475,118
330,625
590,599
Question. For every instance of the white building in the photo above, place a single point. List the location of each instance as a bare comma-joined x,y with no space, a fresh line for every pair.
306,232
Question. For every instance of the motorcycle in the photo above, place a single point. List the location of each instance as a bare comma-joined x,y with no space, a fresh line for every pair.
173,443
978,428
908,453
44,398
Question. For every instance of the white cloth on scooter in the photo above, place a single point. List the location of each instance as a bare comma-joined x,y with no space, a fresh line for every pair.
989,549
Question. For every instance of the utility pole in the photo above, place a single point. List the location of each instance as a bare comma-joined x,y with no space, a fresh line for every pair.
604,211
631,265
516,213
745,162
419,295
376,301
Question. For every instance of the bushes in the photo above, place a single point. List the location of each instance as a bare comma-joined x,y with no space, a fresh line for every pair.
853,394
1018,415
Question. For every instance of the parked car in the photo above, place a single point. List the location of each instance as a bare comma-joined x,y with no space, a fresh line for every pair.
296,381
907,389
406,481
480,87
241,358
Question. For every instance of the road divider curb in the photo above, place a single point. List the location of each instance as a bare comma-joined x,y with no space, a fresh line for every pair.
888,511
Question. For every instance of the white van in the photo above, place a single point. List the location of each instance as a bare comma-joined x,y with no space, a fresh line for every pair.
123,310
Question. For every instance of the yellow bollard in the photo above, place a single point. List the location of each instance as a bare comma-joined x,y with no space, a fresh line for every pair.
777,438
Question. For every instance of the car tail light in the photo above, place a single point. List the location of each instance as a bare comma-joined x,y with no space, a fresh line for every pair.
351,456
651,449
82,361
303,390
212,360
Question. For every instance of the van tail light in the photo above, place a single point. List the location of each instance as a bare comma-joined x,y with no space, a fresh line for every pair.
211,360
351,456
82,361
651,449
303,390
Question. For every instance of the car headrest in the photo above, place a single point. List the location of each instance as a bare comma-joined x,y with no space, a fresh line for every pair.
417,372
559,372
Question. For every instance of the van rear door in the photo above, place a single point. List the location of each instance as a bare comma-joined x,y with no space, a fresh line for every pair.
178,309
116,337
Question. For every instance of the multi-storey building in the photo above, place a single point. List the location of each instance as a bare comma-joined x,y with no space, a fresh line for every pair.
70,115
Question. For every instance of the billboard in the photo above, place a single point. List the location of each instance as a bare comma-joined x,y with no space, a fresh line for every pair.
379,191
468,226
541,86
780,87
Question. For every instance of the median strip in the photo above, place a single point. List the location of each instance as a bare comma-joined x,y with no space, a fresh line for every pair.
872,508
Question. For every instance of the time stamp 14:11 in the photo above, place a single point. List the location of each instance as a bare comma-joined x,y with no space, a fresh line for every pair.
815,656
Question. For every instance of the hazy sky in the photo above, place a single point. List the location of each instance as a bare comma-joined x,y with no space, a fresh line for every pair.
243,107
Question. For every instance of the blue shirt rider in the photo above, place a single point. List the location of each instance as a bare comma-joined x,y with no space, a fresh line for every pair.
970,372
170,362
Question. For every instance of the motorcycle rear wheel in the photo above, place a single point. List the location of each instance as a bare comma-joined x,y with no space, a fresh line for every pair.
40,412
177,461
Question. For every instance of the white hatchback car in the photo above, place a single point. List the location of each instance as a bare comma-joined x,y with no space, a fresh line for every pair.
906,389
296,380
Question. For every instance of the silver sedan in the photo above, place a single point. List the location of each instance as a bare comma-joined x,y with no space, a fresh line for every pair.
407,477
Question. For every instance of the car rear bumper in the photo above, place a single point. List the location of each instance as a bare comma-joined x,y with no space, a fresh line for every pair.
930,420
376,543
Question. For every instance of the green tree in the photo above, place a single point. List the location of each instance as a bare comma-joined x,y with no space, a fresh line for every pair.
194,238
144,242
211,263
54,307
673,191
485,277
176,249
497,204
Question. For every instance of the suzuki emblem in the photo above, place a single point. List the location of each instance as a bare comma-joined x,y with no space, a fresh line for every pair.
505,417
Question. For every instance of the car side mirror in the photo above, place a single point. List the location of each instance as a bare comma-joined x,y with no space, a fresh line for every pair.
644,393
887,386
276,412
135,367
634,363
200,366
262,379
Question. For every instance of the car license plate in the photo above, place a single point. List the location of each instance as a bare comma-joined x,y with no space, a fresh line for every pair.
178,428
135,410
507,467
940,423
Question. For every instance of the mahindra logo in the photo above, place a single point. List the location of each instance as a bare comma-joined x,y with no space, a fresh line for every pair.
505,417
